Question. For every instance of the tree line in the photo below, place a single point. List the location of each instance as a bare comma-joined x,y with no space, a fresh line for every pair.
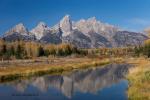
143,50
28,50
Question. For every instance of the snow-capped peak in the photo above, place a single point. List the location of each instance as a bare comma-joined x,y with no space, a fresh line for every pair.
92,19
40,29
19,28
92,24
66,25
42,24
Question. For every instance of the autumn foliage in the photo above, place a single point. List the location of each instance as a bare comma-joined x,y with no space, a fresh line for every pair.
28,50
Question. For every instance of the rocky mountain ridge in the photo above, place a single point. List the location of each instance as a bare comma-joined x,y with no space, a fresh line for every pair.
88,33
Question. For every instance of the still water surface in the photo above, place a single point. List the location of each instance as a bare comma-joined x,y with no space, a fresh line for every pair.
107,83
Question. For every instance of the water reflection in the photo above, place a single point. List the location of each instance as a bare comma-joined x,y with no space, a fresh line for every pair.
84,81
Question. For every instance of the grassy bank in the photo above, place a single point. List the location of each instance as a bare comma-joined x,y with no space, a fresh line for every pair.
139,79
58,65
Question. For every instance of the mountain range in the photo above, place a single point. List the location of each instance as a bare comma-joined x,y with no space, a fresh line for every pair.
89,33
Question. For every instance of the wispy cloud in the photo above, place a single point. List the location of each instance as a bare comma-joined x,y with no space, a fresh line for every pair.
136,24
139,21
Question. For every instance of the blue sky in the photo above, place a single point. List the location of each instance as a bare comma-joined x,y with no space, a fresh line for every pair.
128,14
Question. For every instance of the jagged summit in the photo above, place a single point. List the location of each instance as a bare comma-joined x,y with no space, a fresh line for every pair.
42,24
92,19
18,32
66,25
20,25
19,28
67,16
92,24
85,33
40,30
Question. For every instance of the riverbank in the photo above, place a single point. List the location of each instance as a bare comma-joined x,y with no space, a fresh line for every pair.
139,79
12,71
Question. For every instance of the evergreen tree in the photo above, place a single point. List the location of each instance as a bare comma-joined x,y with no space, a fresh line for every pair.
12,51
4,49
46,53
40,51
19,52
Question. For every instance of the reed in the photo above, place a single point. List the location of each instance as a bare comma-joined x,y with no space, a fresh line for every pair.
139,79
14,72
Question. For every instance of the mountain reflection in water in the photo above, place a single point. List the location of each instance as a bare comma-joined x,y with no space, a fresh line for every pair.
83,81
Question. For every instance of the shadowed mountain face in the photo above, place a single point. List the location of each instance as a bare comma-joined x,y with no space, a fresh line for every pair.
83,81
89,33
78,39
128,38
16,36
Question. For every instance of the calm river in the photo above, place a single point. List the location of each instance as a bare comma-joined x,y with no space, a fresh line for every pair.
103,83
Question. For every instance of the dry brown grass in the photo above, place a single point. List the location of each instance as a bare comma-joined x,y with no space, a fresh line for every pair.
139,79
14,71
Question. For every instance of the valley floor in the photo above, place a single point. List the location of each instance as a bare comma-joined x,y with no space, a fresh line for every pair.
139,75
